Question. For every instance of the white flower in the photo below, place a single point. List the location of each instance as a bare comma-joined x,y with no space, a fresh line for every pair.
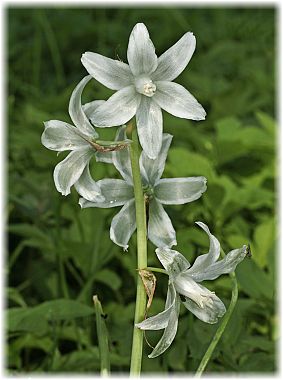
184,286
118,192
61,136
144,87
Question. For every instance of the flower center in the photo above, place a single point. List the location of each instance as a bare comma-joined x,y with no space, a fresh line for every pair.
145,86
189,288
204,299
148,192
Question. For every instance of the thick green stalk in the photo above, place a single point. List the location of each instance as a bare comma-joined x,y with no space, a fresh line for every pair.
137,345
221,328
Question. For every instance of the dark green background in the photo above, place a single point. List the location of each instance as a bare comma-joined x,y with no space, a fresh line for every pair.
57,251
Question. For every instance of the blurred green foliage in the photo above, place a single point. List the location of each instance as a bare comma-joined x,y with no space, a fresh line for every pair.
59,256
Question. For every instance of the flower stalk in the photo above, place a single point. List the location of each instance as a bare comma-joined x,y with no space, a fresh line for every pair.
205,359
137,344
157,270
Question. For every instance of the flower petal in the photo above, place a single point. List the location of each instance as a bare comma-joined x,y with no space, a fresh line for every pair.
141,51
160,229
123,225
224,266
89,108
169,332
151,170
121,158
204,261
111,73
210,312
116,192
173,261
76,112
149,126
88,188
177,191
174,60
160,320
175,99
61,136
68,171
118,109
186,286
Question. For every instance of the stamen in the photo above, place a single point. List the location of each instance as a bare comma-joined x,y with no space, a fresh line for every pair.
204,299
187,287
148,192
149,89
145,86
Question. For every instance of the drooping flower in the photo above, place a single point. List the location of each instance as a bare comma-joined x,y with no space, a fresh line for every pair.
144,87
168,191
184,286
80,140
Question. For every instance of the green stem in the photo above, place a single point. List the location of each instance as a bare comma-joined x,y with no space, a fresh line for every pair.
158,270
137,345
221,327
102,335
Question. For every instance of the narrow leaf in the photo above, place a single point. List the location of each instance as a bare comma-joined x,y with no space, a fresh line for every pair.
102,338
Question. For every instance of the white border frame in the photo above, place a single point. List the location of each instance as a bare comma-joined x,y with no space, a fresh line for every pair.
108,3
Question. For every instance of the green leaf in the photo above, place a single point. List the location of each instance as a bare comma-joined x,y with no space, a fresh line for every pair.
256,342
31,341
237,241
254,281
35,237
102,335
35,319
25,319
182,163
266,121
15,296
264,239
108,277
63,309
227,127
215,196
229,150
258,362
88,360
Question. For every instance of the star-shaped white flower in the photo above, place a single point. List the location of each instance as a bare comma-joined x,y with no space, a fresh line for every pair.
168,191
184,286
144,87
61,136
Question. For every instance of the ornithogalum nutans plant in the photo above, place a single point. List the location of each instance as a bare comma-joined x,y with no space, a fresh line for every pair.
144,86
